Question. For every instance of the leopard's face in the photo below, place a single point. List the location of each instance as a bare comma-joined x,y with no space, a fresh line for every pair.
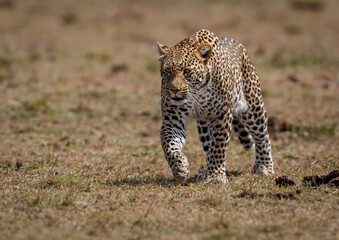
185,69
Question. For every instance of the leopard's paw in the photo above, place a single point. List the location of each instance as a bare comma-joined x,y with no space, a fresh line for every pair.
263,170
202,177
180,175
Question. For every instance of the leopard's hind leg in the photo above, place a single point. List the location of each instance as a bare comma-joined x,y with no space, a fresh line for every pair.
239,111
255,118
244,136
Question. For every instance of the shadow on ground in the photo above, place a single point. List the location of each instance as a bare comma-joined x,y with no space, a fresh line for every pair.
162,181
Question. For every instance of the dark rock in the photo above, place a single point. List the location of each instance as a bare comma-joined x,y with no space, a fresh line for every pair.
18,165
293,78
68,18
119,68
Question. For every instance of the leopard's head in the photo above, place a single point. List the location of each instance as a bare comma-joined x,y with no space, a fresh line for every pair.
187,66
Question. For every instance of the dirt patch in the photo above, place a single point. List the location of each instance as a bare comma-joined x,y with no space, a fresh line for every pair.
334,182
118,68
315,180
6,4
287,195
68,18
284,181
293,78
309,5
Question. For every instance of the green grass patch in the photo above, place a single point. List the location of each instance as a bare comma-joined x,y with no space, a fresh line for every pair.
285,59
35,107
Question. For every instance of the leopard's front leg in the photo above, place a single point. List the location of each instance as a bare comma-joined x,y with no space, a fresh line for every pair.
173,136
219,131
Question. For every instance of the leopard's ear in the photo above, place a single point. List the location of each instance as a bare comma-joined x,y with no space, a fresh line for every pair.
203,53
162,49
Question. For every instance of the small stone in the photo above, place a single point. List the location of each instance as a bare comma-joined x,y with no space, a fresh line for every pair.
18,165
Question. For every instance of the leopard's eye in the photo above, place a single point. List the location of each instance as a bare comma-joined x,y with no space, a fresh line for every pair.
167,70
187,71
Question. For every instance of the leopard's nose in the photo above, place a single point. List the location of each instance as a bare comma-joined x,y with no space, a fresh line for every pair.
175,90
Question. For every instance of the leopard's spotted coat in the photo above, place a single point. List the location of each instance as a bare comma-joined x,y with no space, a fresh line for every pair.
214,81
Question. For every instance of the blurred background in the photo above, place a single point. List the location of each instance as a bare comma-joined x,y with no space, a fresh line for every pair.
80,117
85,70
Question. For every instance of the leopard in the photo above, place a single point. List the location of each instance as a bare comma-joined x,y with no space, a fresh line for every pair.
213,81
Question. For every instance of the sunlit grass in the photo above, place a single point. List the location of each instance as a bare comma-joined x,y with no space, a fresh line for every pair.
80,118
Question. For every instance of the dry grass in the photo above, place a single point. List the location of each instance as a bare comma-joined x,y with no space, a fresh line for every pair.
80,155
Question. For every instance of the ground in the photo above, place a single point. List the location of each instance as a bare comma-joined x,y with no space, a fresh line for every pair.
80,153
